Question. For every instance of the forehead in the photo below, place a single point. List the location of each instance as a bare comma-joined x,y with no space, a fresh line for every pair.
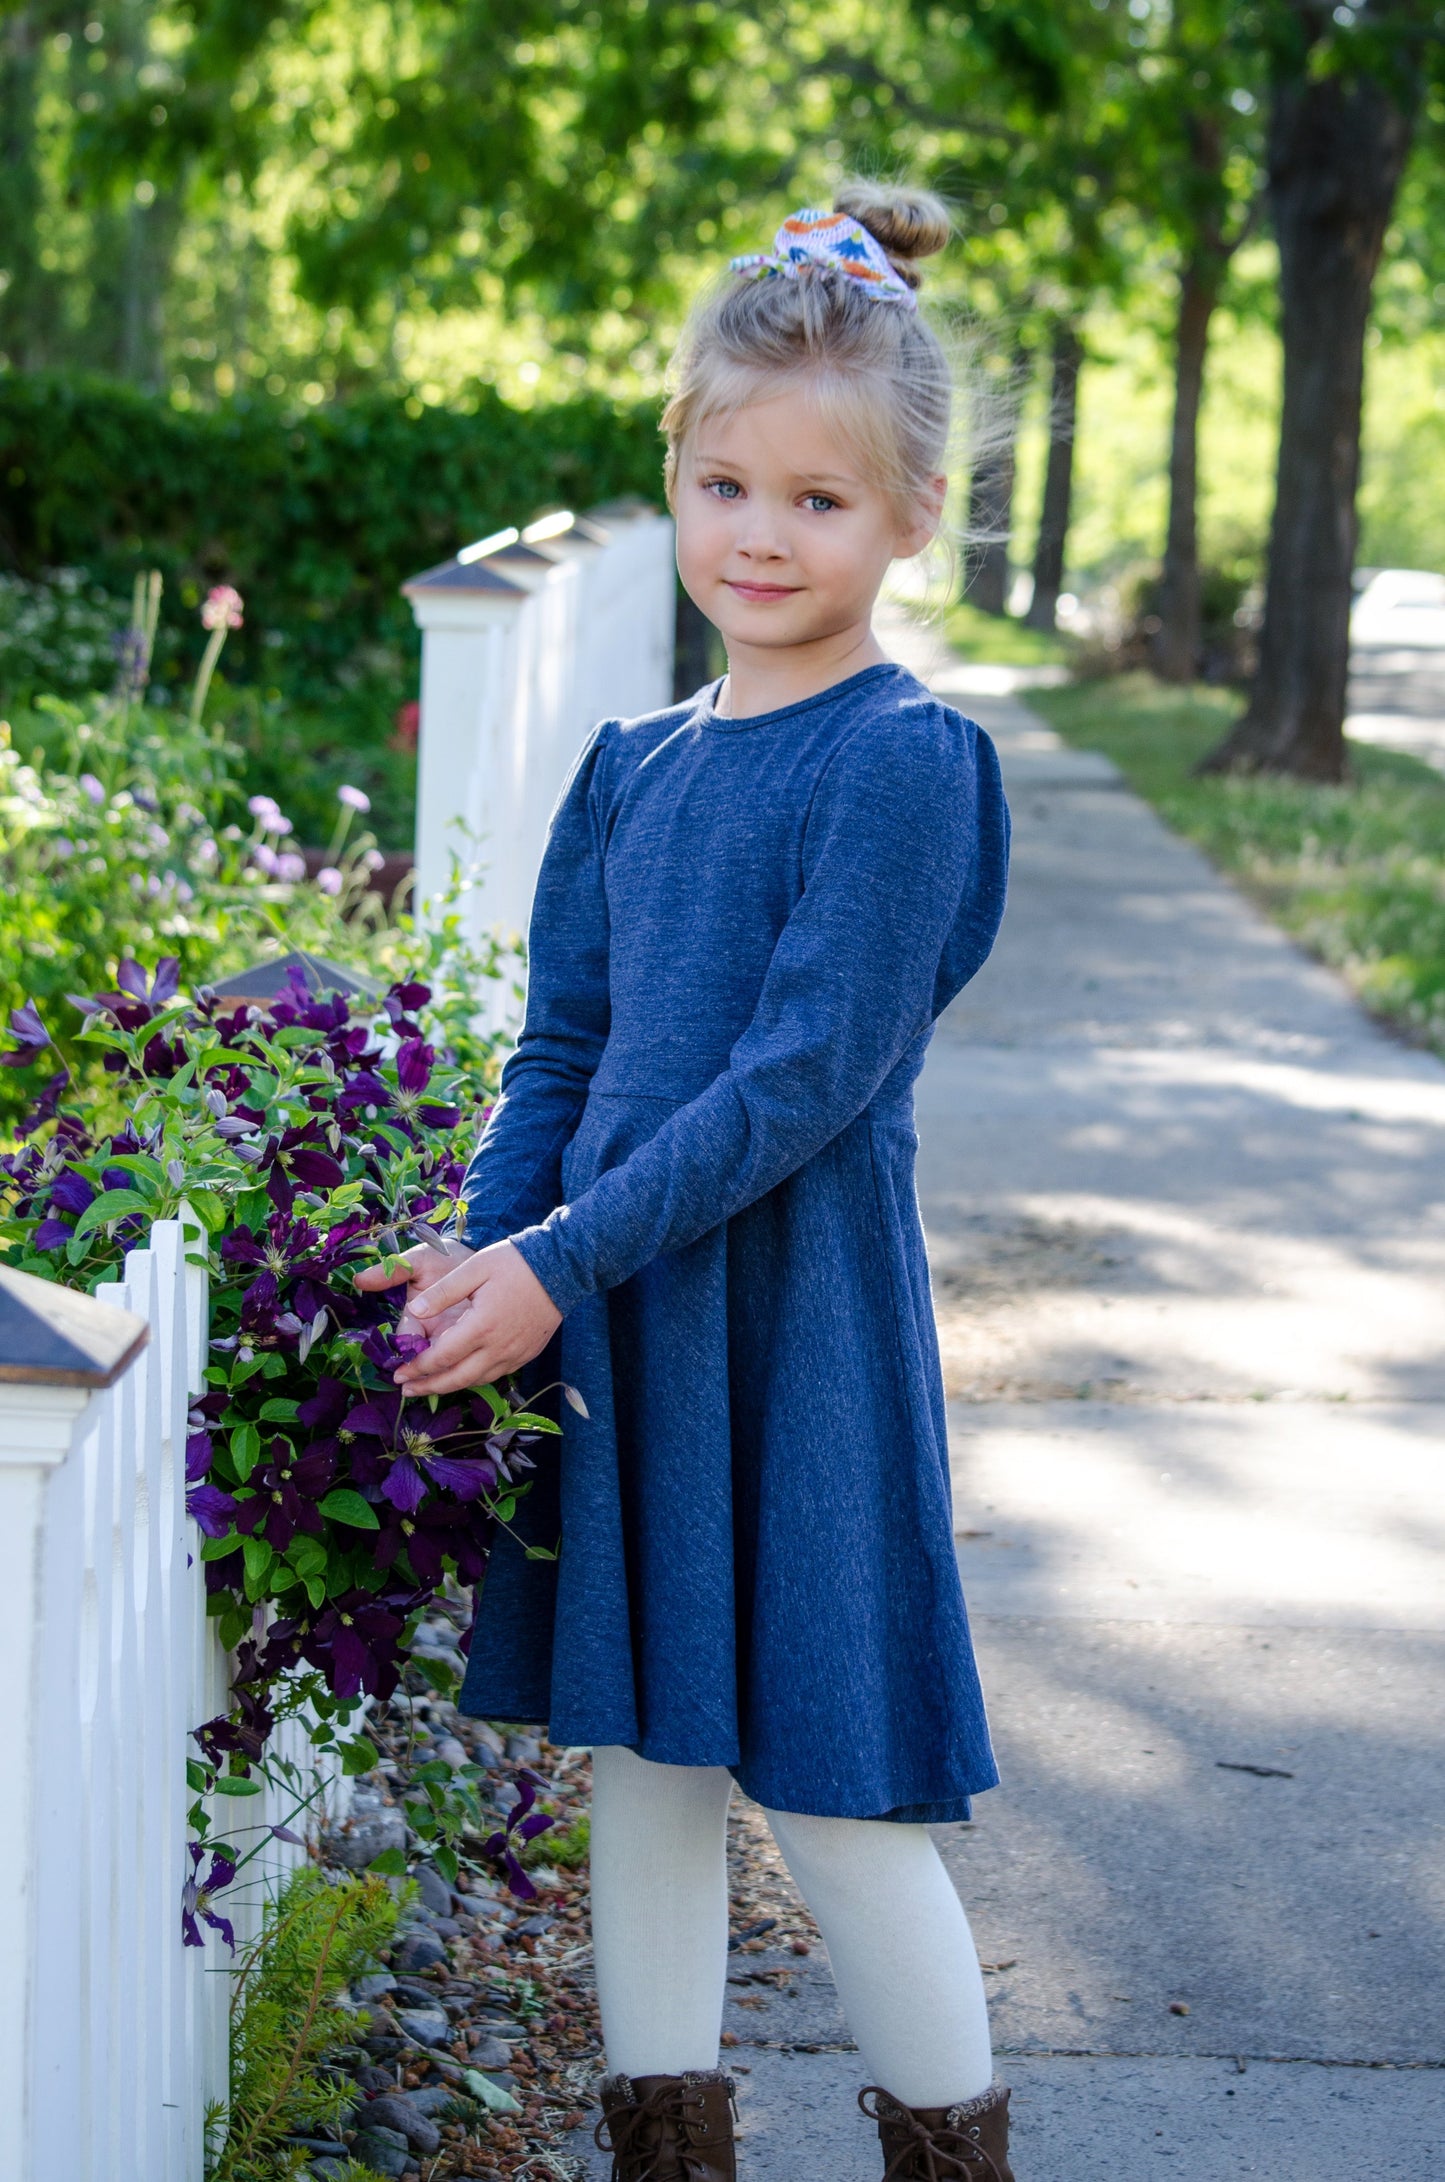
787,433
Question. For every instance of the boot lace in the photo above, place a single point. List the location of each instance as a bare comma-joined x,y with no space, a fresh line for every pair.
927,2155
648,2141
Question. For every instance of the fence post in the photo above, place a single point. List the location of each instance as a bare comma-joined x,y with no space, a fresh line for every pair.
57,1351
528,639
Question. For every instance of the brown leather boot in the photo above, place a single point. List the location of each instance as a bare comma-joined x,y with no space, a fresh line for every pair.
965,2143
669,2128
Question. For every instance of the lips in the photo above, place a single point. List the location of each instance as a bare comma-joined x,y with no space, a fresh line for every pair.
764,591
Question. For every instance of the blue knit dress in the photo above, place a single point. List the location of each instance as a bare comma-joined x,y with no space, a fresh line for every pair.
743,933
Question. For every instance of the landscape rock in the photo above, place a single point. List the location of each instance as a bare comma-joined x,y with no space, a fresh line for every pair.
452,1753
524,1749
431,2099
365,1837
372,1987
486,1738
384,2149
491,2052
428,2026
433,1890
389,2112
418,1951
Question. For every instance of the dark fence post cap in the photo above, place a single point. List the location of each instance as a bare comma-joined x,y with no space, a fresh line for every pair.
54,1336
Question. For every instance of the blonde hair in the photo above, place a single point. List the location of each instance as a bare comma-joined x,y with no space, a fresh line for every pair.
878,371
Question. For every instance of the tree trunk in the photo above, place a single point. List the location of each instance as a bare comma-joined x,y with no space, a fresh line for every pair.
1068,357
991,491
1337,147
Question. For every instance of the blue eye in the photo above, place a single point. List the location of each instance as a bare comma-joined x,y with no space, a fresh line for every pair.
819,502
726,488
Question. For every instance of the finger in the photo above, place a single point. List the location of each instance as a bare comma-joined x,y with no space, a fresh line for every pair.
453,1287
476,1370
390,1273
465,1338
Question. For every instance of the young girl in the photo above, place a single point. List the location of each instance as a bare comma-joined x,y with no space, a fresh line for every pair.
751,911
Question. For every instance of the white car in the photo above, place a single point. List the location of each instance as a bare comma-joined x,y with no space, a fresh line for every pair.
1402,608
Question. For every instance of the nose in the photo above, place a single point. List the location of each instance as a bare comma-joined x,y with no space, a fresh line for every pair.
760,536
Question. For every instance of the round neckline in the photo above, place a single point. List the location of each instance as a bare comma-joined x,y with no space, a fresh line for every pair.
724,724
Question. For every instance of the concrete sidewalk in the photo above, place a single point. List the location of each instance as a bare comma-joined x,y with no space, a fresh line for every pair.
1186,1211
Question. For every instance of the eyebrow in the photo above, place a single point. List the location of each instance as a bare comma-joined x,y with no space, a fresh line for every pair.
800,477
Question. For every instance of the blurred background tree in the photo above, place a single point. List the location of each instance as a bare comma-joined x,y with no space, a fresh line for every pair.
299,206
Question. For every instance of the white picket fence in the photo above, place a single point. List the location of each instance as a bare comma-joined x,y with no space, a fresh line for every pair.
528,639
113,2036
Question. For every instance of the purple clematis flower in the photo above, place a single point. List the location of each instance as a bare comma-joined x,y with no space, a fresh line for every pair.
355,1642
70,1192
198,1895
285,1493
25,1024
53,1235
524,1823
211,1509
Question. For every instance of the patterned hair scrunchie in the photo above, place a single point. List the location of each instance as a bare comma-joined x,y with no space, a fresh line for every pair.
834,239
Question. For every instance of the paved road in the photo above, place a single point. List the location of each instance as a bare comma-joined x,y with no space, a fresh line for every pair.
1186,1211
1397,698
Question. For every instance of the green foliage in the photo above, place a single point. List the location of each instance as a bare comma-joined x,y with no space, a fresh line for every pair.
287,2021
567,1850
317,518
991,640
1355,873
123,831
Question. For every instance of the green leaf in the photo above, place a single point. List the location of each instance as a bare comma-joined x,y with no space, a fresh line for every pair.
445,1860
346,1506
234,1624
435,1672
197,1776
209,1208
238,1784
527,1419
112,1204
276,1409
216,1549
141,1165
359,1756
506,1508
391,1864
245,1449
494,2097
258,1557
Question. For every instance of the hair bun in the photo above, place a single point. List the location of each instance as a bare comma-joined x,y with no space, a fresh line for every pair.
909,223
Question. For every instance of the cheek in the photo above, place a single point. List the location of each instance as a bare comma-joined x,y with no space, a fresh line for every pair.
702,535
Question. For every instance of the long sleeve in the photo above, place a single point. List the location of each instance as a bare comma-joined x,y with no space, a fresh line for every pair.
515,1173
903,868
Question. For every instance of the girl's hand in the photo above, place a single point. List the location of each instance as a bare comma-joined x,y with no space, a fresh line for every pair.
421,1268
493,1313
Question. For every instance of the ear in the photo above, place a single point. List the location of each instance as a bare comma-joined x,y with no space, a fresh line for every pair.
922,529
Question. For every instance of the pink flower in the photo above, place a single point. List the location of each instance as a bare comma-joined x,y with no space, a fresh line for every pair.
266,858
355,799
291,867
329,879
222,608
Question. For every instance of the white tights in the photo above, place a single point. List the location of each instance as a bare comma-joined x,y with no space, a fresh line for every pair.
902,1955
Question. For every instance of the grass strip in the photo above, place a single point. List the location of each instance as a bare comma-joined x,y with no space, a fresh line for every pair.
1356,873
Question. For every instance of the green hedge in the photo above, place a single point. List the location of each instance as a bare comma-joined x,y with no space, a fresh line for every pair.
316,517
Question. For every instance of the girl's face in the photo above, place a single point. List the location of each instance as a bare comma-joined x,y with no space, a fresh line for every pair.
781,539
